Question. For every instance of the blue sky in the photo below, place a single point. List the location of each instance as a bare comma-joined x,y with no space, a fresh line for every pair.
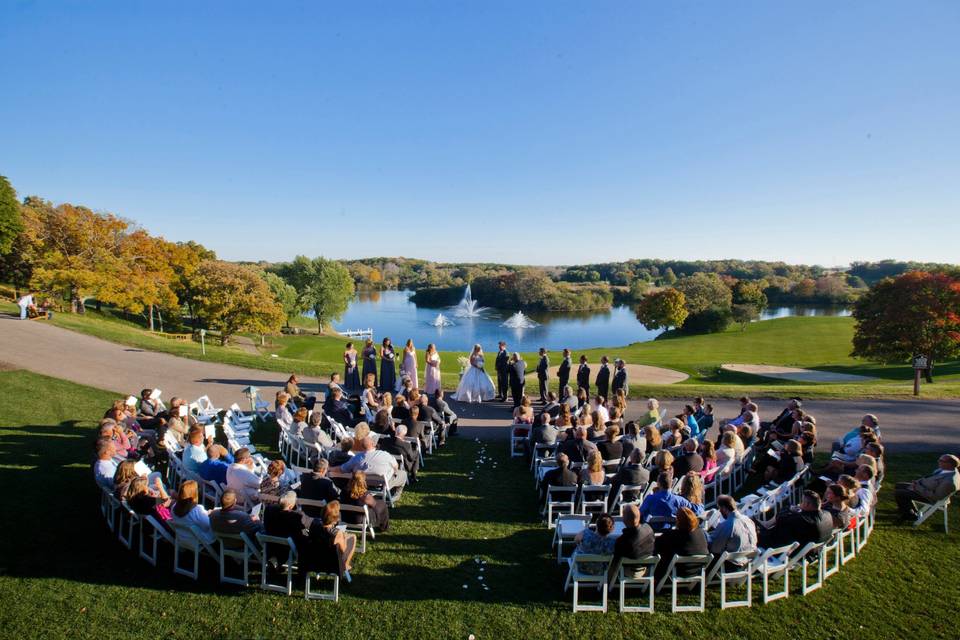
543,133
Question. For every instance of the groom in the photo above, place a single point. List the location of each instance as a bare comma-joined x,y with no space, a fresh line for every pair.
516,373
503,371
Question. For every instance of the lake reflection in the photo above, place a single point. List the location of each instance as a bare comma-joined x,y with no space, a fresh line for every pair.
391,314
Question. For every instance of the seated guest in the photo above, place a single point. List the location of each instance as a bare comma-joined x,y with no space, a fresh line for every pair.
564,419
727,453
282,411
544,432
105,468
284,521
785,418
397,445
687,539
561,476
299,421
865,494
662,463
429,414
673,436
663,503
334,384
808,524
186,510
611,448
317,486
808,441
523,414
383,423
631,473
736,533
195,453
943,482
599,407
214,468
691,488
869,422
313,433
746,436
415,428
242,479
790,462
579,448
441,407
837,505
275,484
230,518
376,462
592,473
149,413
292,389
653,437
325,535
875,451
148,501
635,542
583,398
705,421
568,398
689,460
552,407
596,428
126,471
691,426
338,409
357,495
652,415
123,448
709,455
340,455
595,542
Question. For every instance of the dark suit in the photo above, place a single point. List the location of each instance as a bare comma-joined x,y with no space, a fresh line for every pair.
552,408
679,543
610,450
563,376
429,413
620,381
516,374
583,378
627,475
686,463
283,524
339,410
402,448
314,487
558,478
634,543
577,450
797,526
603,381
502,366
542,368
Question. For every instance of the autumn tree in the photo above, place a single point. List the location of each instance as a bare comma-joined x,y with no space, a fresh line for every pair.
917,313
284,294
231,298
708,302
11,224
145,278
325,286
748,302
663,309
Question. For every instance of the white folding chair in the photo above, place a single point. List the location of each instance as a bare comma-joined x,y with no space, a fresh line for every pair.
154,531
361,528
926,510
289,563
518,439
566,530
187,538
637,573
848,545
811,555
831,552
127,521
577,576
594,498
771,565
696,579
560,499
733,570
238,548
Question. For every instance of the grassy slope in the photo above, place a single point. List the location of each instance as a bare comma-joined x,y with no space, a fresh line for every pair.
63,574
814,342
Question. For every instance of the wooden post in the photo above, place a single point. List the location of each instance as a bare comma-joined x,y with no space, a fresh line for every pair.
916,382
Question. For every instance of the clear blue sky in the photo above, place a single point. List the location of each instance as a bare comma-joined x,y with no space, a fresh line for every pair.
544,133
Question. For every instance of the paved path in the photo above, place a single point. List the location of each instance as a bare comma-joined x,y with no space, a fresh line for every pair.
636,374
792,373
908,425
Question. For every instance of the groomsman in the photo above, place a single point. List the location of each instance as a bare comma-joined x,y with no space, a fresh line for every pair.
620,377
517,372
542,374
503,366
583,376
603,378
563,375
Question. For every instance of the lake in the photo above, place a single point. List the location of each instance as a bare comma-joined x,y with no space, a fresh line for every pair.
391,314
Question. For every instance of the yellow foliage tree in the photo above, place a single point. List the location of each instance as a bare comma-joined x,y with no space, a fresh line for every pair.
231,298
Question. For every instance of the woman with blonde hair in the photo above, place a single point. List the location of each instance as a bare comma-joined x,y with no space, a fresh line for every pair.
662,463
597,425
564,419
691,488
653,437
431,372
727,453
592,473
709,454
620,401
674,435
126,472
370,396
524,413
325,536
187,510
358,495
282,412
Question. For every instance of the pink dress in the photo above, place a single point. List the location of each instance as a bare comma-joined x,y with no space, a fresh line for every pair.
409,367
431,376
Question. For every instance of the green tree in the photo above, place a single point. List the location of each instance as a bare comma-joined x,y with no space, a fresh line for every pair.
663,309
231,298
744,314
749,294
11,224
917,313
325,286
284,294
704,291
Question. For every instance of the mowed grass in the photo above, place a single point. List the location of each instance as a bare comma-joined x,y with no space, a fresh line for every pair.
62,574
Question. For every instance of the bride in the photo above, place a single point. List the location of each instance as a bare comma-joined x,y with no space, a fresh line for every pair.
475,385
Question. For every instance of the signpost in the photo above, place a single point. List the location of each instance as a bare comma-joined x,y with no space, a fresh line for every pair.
203,345
920,363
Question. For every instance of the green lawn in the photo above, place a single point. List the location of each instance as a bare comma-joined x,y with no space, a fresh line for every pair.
62,574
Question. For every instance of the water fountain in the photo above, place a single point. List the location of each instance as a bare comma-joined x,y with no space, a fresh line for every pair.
519,321
467,308
442,321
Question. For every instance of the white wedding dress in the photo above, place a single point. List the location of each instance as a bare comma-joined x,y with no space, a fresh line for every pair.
475,385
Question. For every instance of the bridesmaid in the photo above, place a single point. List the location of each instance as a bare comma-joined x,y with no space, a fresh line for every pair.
409,366
369,362
351,377
388,372
431,374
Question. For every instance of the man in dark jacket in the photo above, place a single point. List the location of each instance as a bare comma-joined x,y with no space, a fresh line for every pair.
635,542
317,486
809,524
563,373
396,445
603,378
502,366
690,460
578,448
620,378
583,376
631,473
562,476
542,374
516,374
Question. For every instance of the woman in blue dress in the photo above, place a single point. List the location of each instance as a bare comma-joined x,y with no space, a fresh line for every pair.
369,355
351,376
388,370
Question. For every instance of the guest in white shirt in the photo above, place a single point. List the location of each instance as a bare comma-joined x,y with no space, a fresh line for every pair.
377,462
195,453
282,413
105,467
727,453
737,533
187,511
241,477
